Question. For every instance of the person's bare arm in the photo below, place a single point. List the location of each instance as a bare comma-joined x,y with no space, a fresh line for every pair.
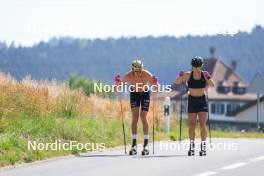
208,79
148,76
210,82
152,80
182,78
120,83
126,78
179,80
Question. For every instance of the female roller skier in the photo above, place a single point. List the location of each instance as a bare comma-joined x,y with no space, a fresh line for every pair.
197,81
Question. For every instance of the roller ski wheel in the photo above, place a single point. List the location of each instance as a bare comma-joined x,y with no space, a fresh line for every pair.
133,151
191,153
202,153
145,152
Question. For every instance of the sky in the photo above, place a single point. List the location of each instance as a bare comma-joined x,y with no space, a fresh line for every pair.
27,22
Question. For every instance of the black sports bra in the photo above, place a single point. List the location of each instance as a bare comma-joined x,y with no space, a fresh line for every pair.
196,84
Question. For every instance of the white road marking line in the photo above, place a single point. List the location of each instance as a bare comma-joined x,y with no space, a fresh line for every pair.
233,166
260,158
207,173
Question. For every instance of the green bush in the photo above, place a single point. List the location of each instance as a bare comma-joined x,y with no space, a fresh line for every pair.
87,85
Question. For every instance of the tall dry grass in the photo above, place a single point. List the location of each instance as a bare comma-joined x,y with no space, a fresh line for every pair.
54,98
47,110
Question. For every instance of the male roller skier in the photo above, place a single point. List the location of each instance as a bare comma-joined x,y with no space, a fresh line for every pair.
197,81
138,79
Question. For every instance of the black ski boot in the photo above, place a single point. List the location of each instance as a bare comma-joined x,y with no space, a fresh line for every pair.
145,151
191,150
191,153
203,149
202,153
133,150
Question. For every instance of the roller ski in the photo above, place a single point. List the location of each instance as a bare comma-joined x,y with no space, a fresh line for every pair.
191,150
191,153
202,153
145,151
203,149
133,151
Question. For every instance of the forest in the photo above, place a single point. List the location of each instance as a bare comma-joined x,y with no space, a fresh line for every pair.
101,59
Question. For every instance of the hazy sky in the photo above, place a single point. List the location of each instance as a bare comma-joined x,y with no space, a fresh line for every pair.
29,21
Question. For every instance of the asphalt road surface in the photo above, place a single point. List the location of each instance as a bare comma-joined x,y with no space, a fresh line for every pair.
227,157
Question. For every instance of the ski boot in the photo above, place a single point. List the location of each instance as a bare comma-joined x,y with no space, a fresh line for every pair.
191,150
191,153
203,149
202,153
133,151
145,151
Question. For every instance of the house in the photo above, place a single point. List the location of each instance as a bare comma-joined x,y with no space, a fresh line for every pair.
227,97
247,113
252,113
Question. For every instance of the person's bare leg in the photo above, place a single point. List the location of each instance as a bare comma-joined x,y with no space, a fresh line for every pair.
203,127
202,121
144,121
192,124
135,116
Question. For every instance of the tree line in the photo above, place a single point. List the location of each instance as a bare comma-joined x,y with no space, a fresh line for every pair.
101,59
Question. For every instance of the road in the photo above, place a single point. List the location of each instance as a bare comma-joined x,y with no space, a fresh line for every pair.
241,157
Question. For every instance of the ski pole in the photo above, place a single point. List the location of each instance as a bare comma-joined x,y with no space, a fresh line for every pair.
117,79
123,123
181,118
180,136
153,125
154,81
209,124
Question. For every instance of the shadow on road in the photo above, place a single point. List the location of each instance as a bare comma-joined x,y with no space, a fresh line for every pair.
102,155
135,156
159,156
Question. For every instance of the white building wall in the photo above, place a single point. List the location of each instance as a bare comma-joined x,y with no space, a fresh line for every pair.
250,114
222,117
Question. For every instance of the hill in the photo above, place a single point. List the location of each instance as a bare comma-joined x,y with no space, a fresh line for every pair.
102,59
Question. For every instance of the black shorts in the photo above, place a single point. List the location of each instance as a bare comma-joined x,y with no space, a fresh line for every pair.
197,104
138,99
